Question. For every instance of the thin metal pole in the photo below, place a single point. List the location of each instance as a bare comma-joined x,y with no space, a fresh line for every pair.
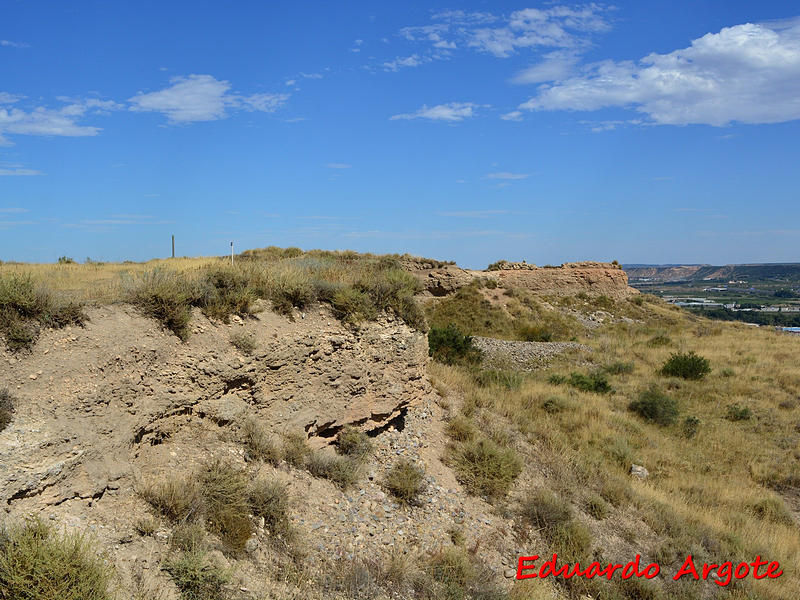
231,253
173,246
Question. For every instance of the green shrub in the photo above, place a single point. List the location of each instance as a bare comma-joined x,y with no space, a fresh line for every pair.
450,346
735,412
597,507
344,471
690,427
659,340
619,368
244,341
594,382
296,451
687,366
225,291
166,297
553,518
270,499
6,408
460,429
405,481
37,564
351,441
188,537
509,380
773,509
553,405
485,468
352,305
656,407
557,379
258,443
530,332
26,307
178,499
197,577
225,495
66,260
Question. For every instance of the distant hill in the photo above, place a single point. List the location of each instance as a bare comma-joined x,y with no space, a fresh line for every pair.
788,272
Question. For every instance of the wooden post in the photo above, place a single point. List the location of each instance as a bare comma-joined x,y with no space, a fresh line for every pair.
173,246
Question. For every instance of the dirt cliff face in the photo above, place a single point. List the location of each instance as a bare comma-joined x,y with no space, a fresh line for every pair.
569,279
94,403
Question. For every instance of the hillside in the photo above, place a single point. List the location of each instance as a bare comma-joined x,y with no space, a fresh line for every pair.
785,272
317,425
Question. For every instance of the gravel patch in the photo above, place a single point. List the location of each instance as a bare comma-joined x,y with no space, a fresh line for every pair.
524,356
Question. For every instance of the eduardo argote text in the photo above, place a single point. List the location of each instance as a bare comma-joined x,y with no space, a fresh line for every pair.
529,567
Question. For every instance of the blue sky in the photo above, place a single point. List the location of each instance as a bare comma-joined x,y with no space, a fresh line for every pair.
643,131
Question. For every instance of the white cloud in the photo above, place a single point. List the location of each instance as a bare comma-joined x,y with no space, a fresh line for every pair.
202,98
311,75
556,66
514,115
452,111
56,122
552,27
6,98
18,172
400,62
335,165
747,73
10,44
291,82
14,210
506,175
474,214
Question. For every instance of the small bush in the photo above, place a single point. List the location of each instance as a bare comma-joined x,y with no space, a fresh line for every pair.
146,526
687,366
619,368
166,297
258,443
553,517
460,429
450,346
616,492
557,379
656,407
509,380
244,341
351,441
197,577
6,408
188,537
727,372
485,468
296,451
344,471
529,332
177,499
66,260
405,481
659,341
553,405
597,507
690,427
594,382
735,412
772,509
270,499
225,494
36,564
225,291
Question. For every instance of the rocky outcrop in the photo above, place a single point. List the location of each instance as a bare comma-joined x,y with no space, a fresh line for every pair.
569,279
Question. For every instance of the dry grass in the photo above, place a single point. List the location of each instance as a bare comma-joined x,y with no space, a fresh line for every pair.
721,490
405,481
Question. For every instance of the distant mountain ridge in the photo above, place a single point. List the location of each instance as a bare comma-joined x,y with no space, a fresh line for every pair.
789,272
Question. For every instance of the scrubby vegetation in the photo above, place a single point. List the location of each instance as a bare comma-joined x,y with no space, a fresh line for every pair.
38,564
655,406
358,287
405,481
197,576
27,306
450,346
687,366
